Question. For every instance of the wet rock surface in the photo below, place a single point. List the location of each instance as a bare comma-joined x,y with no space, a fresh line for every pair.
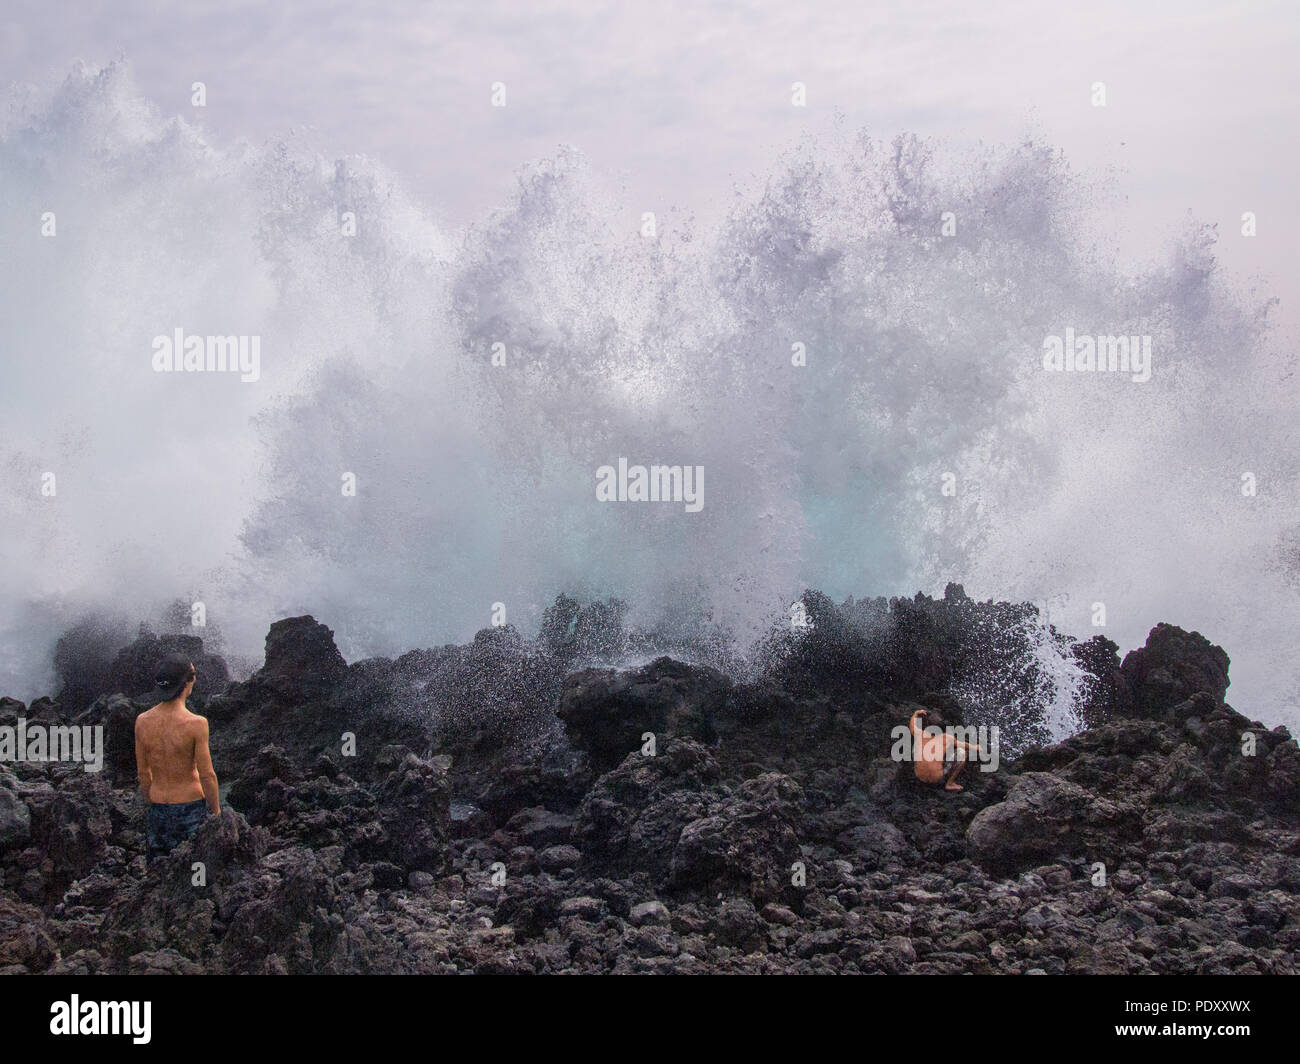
766,829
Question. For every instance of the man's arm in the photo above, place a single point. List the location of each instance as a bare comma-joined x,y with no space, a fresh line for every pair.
207,774
142,770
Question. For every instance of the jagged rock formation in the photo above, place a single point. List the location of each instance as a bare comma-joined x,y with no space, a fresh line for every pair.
502,812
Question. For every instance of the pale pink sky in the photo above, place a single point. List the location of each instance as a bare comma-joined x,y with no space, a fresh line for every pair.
677,100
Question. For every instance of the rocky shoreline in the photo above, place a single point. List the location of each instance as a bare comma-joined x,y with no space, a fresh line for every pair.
501,813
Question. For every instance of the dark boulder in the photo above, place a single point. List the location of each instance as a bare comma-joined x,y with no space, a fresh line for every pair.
222,901
1045,817
631,818
748,844
15,818
515,786
248,792
308,702
606,713
1171,667
116,714
415,812
25,940
71,826
132,670
168,909
301,659
85,658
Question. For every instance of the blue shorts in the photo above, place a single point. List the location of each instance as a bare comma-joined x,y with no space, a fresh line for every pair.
170,825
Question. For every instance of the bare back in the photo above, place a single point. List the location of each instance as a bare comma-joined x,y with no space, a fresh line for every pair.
930,767
172,756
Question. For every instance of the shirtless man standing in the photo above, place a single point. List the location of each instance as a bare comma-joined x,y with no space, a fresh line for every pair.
173,761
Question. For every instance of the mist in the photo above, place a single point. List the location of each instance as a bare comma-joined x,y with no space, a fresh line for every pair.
861,380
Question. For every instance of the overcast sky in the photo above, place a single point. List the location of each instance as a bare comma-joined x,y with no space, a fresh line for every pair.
677,100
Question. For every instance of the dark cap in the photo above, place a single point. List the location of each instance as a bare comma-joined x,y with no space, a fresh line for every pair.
171,676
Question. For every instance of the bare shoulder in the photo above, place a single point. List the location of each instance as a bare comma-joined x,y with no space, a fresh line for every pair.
197,724
145,719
